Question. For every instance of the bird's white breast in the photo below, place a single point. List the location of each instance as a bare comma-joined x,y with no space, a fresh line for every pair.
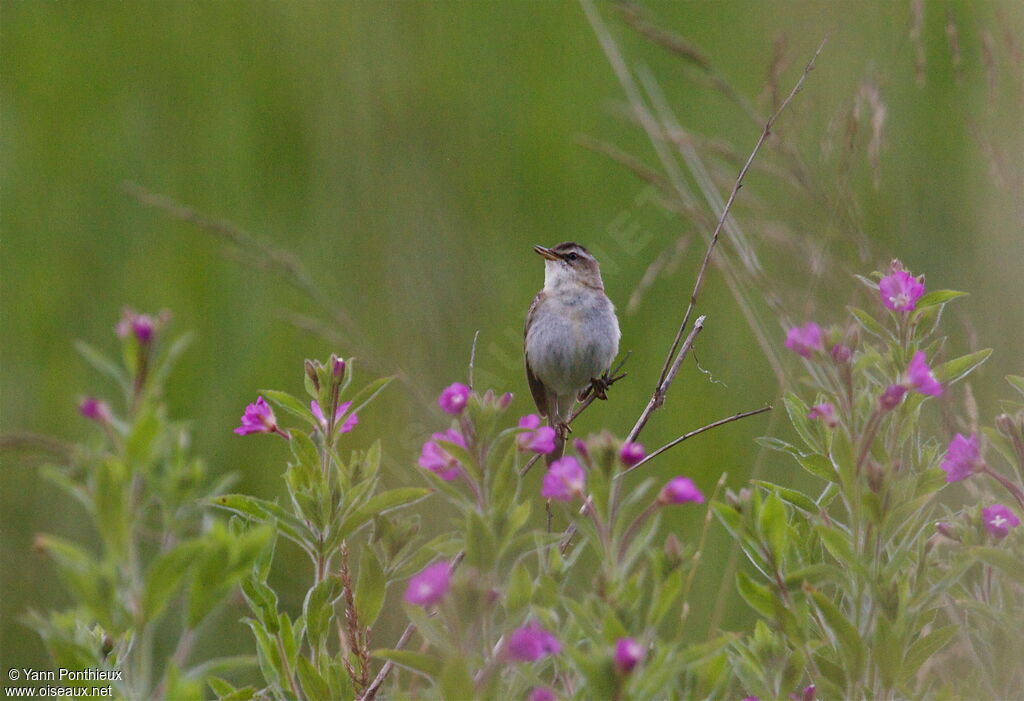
573,338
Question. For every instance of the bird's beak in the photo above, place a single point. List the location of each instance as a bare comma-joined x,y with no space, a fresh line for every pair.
547,253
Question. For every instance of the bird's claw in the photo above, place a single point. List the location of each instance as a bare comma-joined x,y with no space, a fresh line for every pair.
563,430
599,386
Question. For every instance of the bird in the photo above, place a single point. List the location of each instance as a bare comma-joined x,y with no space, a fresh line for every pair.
571,336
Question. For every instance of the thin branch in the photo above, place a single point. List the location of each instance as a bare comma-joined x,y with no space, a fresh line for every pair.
472,357
658,397
765,132
695,432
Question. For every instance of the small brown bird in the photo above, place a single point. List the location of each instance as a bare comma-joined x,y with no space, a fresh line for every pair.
571,335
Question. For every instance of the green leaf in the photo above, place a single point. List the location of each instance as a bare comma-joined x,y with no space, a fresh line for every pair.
371,588
1010,564
757,596
772,524
103,364
792,496
318,607
455,680
379,504
304,450
289,403
263,511
836,543
418,662
868,322
779,445
368,393
938,297
819,466
797,411
958,368
520,586
924,647
313,685
845,633
1017,382
163,577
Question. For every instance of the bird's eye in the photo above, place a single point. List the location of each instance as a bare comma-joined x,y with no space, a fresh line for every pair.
572,256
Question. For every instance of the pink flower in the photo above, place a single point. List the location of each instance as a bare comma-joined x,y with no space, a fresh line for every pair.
631,454
826,412
531,642
141,326
539,439
339,426
920,376
564,480
961,457
999,520
430,585
95,409
891,397
628,654
258,418
453,398
805,340
900,290
680,490
436,459
541,693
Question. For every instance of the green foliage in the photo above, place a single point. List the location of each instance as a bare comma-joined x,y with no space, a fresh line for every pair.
161,566
857,593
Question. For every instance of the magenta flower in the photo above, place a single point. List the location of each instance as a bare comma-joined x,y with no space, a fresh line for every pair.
436,459
999,520
258,418
430,585
541,693
891,397
505,400
809,693
337,367
962,456
900,290
680,490
340,426
920,376
564,480
531,642
826,412
141,326
95,409
628,654
805,340
453,398
539,439
631,454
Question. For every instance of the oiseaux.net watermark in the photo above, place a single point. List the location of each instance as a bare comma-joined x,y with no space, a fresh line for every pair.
33,683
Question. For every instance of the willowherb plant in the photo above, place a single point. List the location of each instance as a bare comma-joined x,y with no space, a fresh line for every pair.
161,570
496,603
861,594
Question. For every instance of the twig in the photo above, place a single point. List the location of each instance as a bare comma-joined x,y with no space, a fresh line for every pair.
668,375
695,432
472,357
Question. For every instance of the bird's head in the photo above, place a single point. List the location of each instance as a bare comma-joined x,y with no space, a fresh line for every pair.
569,264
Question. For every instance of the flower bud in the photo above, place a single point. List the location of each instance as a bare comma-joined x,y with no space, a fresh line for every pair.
628,654
891,397
311,374
841,353
505,400
337,367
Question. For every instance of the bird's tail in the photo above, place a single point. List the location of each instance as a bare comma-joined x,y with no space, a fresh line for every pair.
558,414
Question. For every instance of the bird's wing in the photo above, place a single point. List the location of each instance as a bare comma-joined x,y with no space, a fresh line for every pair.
537,388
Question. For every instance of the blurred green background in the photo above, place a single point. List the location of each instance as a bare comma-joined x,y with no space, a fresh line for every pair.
410,154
